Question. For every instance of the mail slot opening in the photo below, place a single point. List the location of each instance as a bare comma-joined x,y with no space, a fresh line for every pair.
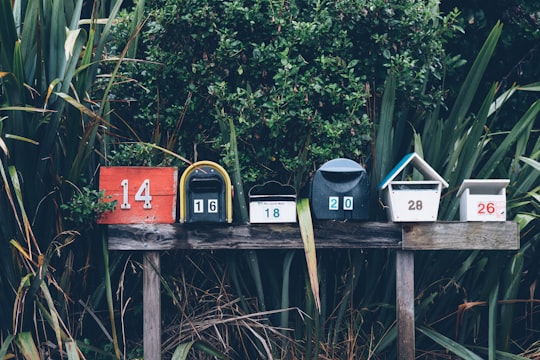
210,184
411,185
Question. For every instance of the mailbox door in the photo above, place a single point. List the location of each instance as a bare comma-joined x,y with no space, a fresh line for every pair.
340,192
205,198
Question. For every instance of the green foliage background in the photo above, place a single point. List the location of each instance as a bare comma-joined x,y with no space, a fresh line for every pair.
301,80
292,84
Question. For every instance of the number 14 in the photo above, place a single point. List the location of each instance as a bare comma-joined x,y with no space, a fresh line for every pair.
143,194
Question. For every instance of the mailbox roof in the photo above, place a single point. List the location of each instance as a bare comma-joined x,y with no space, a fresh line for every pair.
483,186
420,164
342,165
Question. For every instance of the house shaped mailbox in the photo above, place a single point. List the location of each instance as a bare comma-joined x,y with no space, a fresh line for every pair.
482,200
339,190
412,201
205,194
272,202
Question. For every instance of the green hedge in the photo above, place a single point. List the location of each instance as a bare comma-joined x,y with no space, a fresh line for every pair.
301,80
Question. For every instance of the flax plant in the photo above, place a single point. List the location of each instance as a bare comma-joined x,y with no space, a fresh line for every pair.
461,146
51,120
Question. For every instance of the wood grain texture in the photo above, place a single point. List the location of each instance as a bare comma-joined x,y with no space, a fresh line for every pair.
152,306
461,236
405,304
331,234
163,187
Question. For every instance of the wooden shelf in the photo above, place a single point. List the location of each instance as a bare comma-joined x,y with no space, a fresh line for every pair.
328,235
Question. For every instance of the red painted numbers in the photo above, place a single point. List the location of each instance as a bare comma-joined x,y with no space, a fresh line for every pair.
143,194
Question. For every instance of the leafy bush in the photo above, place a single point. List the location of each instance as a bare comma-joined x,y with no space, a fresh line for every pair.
300,80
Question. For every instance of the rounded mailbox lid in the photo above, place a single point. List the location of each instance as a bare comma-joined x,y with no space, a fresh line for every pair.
342,165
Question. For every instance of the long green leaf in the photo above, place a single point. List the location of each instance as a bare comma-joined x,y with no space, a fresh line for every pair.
384,151
531,162
27,346
5,346
470,86
306,230
492,318
517,131
449,344
72,350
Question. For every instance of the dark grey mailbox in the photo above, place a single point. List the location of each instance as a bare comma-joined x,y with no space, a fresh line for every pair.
205,194
340,191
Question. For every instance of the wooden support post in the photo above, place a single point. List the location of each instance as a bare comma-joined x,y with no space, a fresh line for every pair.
151,306
405,304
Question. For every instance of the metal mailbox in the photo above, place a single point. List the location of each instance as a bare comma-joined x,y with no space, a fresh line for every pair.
482,199
339,190
144,195
205,194
272,202
412,200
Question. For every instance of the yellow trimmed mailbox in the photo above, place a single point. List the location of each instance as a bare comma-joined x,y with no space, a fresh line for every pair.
482,199
272,202
412,200
205,194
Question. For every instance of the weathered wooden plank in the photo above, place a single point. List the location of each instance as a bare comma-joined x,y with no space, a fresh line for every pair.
405,304
330,234
151,306
461,236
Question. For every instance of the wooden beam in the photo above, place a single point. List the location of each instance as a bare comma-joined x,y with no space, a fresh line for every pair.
461,236
405,304
151,306
328,234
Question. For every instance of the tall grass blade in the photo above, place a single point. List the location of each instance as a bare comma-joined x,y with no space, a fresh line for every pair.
183,350
449,344
25,343
531,162
253,263
384,150
470,86
285,284
306,230
492,321
5,346
72,350
517,131
108,291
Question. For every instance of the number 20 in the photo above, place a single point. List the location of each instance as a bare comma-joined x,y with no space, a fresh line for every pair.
143,194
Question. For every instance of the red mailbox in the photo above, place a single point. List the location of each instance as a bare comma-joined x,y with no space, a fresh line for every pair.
143,194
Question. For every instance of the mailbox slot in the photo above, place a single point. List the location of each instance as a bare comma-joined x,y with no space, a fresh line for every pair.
340,191
210,184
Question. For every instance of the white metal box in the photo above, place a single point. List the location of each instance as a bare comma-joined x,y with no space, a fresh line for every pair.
272,202
482,200
415,200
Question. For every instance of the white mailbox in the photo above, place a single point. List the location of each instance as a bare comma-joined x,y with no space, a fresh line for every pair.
272,202
482,200
412,200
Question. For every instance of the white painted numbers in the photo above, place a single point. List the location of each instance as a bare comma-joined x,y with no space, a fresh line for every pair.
143,194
